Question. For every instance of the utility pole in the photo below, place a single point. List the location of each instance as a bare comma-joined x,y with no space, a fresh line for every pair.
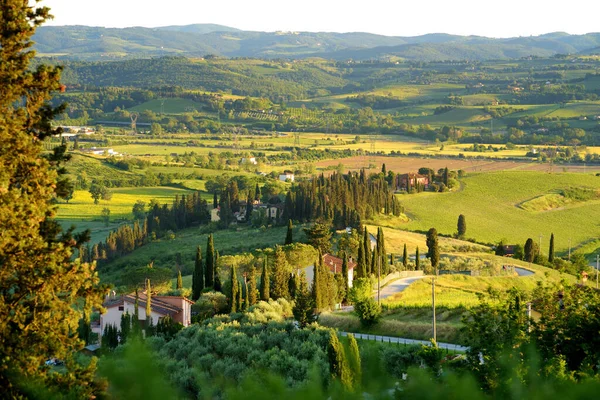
569,249
433,306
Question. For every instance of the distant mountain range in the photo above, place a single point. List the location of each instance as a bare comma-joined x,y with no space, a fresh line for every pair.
96,43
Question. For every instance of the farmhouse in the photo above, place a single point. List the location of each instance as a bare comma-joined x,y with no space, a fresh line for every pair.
335,266
249,160
287,175
403,181
177,307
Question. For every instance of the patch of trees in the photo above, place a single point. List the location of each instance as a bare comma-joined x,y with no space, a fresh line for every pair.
343,199
376,102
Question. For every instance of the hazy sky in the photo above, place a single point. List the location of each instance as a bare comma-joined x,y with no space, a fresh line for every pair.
505,18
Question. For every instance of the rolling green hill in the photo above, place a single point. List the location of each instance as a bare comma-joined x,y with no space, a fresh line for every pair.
84,42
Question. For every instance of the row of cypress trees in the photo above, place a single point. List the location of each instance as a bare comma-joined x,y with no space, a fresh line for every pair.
205,272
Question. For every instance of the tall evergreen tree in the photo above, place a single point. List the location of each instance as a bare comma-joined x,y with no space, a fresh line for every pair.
317,286
125,326
180,280
280,275
288,237
303,303
257,193
215,201
233,295
319,236
361,266
433,248
265,293
198,276
249,207
530,250
209,267
367,250
345,277
252,291
417,260
40,282
381,251
461,226
338,364
551,248
354,360
405,257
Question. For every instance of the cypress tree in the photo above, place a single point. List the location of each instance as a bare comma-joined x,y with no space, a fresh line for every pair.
383,170
361,269
417,260
367,251
303,303
215,202
316,292
135,320
338,364
218,286
125,326
446,173
252,295
529,250
265,283
280,275
405,257
179,280
354,360
345,277
373,263
288,236
434,251
257,193
551,248
249,208
461,226
292,285
233,297
209,268
198,276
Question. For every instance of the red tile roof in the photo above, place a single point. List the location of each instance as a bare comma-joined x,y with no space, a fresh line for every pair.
335,263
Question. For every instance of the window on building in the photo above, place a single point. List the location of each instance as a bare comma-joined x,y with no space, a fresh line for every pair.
121,308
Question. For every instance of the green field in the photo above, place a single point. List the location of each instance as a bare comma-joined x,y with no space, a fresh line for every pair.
82,206
169,106
490,203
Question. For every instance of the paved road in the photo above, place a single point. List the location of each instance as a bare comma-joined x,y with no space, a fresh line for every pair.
391,339
523,272
397,286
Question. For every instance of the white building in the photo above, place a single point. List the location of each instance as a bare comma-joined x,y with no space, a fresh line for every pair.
287,175
177,307
335,266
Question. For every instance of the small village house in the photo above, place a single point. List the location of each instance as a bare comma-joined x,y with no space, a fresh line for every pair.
335,266
178,308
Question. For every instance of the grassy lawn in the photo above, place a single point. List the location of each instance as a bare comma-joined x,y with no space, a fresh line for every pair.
490,202
82,206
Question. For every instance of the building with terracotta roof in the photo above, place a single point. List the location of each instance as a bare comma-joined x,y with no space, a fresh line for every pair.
178,308
335,266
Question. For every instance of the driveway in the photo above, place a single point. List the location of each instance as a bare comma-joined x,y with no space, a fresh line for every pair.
397,286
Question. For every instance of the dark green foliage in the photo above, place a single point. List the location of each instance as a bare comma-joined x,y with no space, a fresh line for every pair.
530,250
433,248
368,311
500,251
317,285
361,265
209,266
280,275
110,337
125,326
167,328
319,236
346,283
304,305
367,251
381,252
461,226
405,257
249,207
417,259
198,275
288,237
265,293
551,249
